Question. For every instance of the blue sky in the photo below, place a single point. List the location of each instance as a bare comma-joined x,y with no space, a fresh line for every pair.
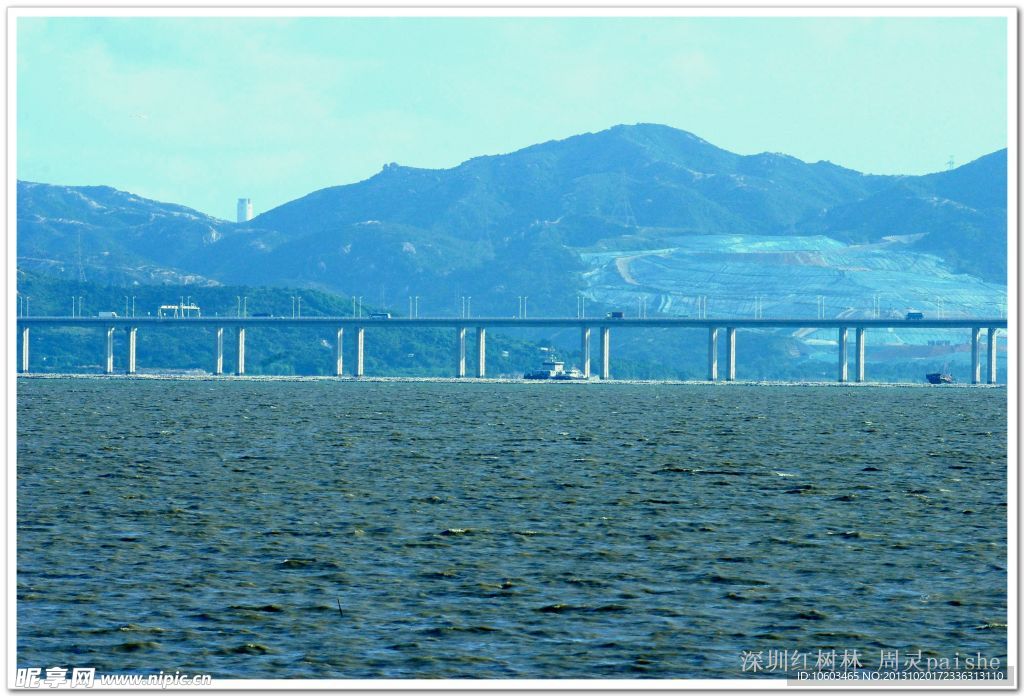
201,111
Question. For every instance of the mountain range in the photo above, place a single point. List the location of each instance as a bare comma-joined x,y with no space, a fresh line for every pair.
633,213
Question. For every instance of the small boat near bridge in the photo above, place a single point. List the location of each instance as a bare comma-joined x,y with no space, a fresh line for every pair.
555,370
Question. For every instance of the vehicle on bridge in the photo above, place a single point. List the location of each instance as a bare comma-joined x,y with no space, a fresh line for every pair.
380,315
911,316
615,315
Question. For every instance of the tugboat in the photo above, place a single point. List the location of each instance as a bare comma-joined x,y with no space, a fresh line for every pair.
554,369
939,378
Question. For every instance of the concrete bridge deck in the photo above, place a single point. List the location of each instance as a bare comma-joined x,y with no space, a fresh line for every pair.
358,325
402,322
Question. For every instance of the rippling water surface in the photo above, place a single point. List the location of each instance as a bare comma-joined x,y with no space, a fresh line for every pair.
499,531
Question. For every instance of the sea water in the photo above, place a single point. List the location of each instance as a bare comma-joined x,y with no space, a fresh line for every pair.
344,529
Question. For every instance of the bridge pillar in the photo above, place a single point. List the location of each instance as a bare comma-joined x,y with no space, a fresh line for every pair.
132,332
218,368
859,356
24,349
993,345
481,352
605,352
730,353
975,355
359,350
339,362
108,366
585,351
843,374
240,367
713,354
460,351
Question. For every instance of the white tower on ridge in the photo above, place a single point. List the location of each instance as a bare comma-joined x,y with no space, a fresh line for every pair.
244,209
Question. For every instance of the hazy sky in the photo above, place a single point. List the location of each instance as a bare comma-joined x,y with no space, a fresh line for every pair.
204,111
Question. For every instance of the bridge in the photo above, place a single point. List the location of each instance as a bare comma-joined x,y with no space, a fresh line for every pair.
358,326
